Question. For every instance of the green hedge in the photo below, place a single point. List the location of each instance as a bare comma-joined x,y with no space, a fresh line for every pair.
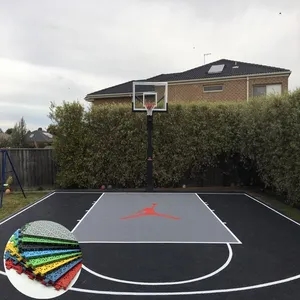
107,144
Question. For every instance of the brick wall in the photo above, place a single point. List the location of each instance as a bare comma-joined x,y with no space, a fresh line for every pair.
269,80
233,90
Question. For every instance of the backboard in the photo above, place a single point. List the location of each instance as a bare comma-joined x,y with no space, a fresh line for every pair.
149,93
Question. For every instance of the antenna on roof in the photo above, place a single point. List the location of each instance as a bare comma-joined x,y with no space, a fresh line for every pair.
206,54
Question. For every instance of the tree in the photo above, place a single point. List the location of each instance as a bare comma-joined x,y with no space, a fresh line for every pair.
18,134
4,140
9,131
52,128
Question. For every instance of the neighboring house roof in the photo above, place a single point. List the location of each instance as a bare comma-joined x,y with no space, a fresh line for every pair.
39,136
231,68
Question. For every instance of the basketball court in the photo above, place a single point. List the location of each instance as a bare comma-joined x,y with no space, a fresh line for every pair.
171,245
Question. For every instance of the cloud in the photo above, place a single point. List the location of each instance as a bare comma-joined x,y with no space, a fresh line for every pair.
62,50
27,90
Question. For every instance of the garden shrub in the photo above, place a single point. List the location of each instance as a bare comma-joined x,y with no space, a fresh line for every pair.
107,144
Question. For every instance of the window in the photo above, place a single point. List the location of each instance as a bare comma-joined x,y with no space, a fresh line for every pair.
261,90
274,89
213,88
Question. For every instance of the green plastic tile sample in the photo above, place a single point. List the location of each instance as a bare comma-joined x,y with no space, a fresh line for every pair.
35,262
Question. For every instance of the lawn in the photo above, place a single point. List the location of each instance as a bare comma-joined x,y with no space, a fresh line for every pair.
287,210
15,201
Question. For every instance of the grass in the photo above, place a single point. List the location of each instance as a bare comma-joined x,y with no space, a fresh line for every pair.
285,209
16,201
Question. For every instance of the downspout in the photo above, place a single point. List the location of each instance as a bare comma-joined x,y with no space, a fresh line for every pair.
247,88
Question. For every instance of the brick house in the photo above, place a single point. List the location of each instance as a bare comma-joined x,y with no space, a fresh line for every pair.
222,80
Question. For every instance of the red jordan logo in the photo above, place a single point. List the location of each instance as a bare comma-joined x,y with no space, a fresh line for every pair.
149,211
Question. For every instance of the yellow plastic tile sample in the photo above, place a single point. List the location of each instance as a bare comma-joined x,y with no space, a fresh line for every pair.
42,270
13,250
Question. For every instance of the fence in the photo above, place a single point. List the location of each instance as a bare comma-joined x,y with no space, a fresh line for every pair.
35,167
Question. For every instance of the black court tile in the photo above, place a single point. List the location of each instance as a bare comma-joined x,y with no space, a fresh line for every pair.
154,262
268,253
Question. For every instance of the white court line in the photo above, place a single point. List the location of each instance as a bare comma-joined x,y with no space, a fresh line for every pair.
162,193
239,242
230,254
80,192
33,204
279,213
230,290
159,193
156,242
221,193
87,212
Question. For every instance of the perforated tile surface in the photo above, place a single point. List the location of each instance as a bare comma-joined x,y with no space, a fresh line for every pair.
47,229
40,240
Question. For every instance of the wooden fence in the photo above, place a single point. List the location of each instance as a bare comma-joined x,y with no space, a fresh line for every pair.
35,167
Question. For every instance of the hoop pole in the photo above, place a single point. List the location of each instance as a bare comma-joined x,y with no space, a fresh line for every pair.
3,167
12,166
149,154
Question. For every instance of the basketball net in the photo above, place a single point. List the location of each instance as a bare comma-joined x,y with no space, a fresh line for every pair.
149,106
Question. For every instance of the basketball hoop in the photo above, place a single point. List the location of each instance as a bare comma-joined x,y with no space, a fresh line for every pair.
149,106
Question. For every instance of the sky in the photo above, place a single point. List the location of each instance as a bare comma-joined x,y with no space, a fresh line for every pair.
62,50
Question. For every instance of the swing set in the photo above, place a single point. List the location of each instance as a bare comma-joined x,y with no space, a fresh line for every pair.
6,182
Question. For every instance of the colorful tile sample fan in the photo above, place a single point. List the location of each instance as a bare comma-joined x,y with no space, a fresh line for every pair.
52,261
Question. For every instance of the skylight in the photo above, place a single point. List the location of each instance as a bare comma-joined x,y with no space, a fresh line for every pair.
216,69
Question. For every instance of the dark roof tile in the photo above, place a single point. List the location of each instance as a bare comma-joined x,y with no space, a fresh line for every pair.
197,73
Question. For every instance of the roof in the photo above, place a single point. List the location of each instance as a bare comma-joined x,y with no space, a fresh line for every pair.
39,136
231,68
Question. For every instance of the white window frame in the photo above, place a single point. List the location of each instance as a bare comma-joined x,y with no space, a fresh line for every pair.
213,91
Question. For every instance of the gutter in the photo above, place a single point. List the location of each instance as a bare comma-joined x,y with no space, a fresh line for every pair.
91,98
87,98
